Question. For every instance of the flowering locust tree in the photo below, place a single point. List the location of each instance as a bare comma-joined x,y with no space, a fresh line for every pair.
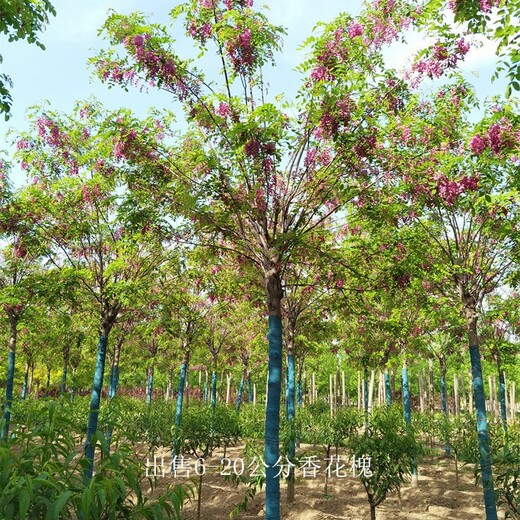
79,168
20,275
463,193
495,19
255,178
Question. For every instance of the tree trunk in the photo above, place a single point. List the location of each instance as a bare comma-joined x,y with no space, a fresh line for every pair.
95,401
272,416
31,379
213,390
180,392
169,385
10,374
456,394
502,392
107,322
444,402
480,406
430,384
25,379
66,351
48,383
408,416
240,390
290,408
114,373
72,383
149,385
387,389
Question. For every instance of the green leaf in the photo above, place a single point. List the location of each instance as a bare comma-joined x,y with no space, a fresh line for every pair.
53,513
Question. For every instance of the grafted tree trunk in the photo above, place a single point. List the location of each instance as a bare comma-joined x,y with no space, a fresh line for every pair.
471,315
108,319
444,402
11,358
114,373
180,393
502,393
408,416
25,380
290,408
274,294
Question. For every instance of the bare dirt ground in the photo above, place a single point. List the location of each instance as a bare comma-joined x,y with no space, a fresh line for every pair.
438,497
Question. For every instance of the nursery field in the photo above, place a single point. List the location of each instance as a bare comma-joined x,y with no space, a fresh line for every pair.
342,464
257,281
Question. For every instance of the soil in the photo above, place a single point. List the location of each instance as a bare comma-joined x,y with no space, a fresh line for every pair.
437,497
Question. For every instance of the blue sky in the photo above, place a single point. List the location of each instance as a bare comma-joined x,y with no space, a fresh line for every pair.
60,73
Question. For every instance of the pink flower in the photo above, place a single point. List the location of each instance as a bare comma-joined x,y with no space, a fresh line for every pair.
495,138
223,110
310,158
478,144
463,47
355,29
252,148
487,5
321,73
22,144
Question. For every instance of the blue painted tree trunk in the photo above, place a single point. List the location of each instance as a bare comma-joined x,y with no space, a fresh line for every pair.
272,419
299,392
95,401
502,396
114,381
388,392
9,384
291,395
444,402
213,390
180,395
239,395
406,396
63,381
483,433
149,386
72,384
25,381
249,389
114,370
408,415
48,384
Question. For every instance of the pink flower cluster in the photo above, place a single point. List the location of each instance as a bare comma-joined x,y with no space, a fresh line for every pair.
252,148
111,71
240,52
321,73
355,29
500,136
442,59
90,194
159,66
50,131
487,5
233,4
224,110
450,190
335,51
200,33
